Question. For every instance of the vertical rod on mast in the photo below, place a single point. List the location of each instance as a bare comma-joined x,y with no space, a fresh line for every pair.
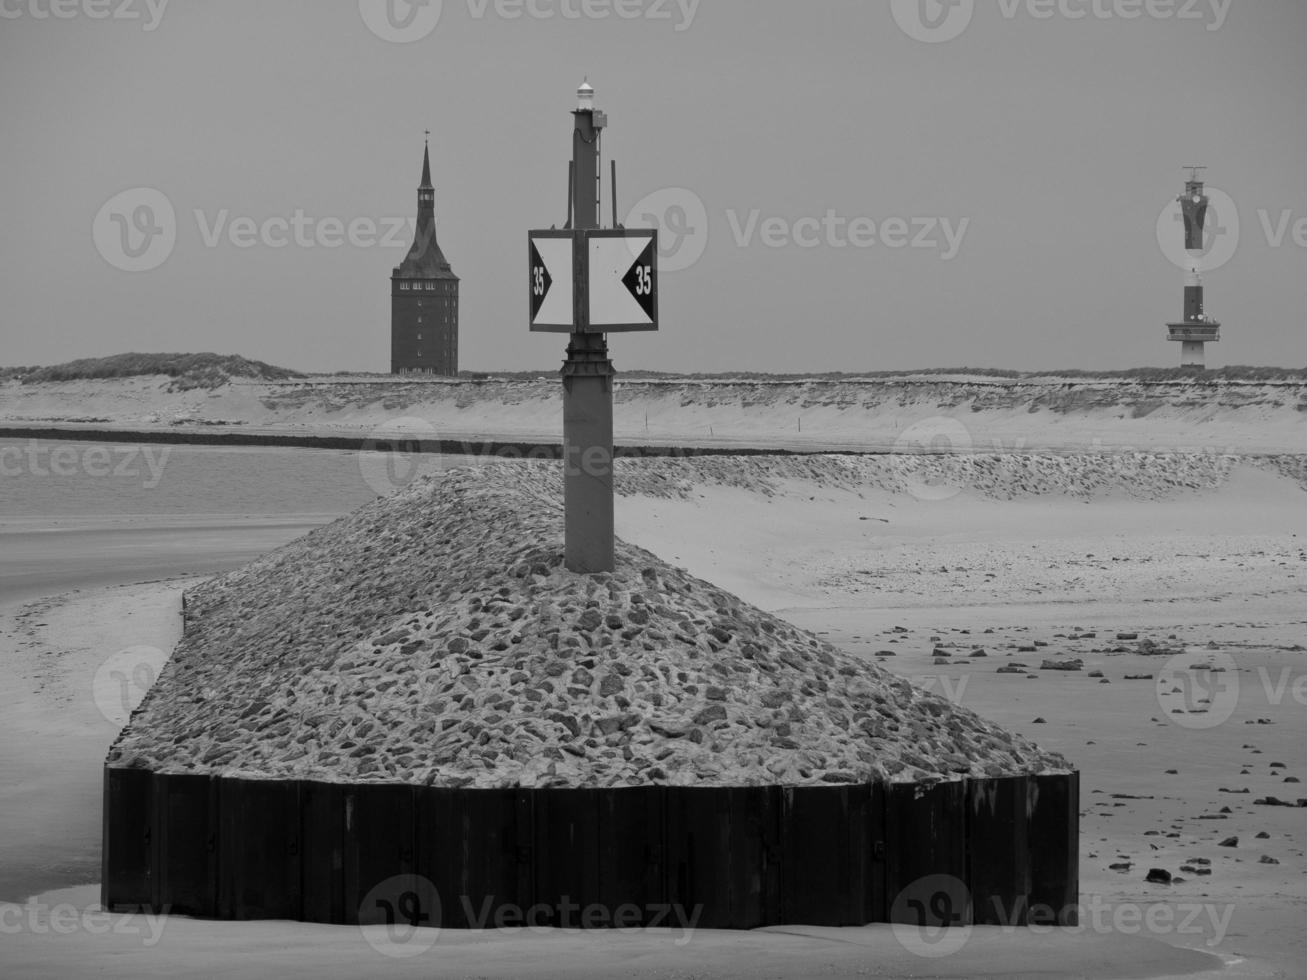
571,175
612,190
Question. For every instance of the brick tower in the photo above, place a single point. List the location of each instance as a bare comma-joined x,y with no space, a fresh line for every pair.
424,297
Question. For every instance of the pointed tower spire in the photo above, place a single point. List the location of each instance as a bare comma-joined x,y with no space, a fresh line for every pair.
424,259
426,163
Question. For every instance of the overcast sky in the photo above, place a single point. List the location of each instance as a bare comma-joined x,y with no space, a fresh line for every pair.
843,185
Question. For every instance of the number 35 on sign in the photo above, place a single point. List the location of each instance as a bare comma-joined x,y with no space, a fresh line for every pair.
618,281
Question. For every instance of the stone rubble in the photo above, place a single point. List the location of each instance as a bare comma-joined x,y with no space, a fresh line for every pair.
434,637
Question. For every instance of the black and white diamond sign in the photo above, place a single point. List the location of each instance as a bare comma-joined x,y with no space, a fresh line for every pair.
550,271
593,280
623,279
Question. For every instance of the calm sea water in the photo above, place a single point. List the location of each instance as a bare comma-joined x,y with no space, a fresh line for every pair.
57,478
76,515
82,515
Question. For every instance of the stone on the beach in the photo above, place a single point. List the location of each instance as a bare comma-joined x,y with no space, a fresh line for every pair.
435,638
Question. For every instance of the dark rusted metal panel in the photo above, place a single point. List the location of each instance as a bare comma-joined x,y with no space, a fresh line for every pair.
259,845
322,846
186,844
630,854
379,846
753,834
815,871
127,857
567,854
699,842
998,850
1054,832
467,846
728,857
926,853
865,855
766,801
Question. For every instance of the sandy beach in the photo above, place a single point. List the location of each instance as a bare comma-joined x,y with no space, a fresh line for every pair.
1030,569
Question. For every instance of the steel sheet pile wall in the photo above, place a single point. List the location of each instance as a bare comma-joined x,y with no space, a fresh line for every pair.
985,850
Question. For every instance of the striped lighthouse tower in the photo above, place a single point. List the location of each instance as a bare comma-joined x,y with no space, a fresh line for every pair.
1195,328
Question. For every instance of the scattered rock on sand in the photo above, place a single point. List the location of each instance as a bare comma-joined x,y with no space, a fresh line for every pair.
1158,876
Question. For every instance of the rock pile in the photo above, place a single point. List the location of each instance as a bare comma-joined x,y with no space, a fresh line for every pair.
434,637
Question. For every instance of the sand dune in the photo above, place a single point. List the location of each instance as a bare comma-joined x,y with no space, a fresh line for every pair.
908,413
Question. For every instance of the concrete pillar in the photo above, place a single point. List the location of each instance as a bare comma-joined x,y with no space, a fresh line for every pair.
588,454
1191,353
587,380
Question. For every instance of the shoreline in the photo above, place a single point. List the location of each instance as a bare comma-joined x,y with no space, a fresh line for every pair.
383,439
